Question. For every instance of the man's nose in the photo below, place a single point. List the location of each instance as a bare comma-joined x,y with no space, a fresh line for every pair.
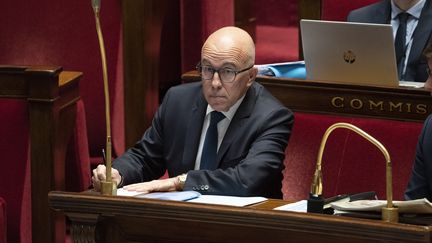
216,81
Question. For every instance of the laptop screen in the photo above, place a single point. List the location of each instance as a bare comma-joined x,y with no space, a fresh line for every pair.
353,53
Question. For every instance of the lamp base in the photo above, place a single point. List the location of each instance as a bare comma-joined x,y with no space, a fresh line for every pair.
315,204
108,188
390,215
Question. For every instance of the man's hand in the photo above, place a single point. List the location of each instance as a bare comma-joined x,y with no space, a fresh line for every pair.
99,174
428,84
165,185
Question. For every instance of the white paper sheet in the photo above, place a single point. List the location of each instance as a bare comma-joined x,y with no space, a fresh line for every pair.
300,206
419,206
228,200
174,196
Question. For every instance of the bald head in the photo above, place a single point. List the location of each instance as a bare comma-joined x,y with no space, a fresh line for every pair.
231,42
228,50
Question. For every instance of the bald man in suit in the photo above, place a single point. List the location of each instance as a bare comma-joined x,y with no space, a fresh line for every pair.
252,135
418,32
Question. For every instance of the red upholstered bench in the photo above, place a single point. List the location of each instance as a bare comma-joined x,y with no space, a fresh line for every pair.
15,181
350,164
35,129
338,10
2,220
276,30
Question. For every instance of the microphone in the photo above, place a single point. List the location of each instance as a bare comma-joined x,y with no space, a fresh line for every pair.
108,187
315,203
96,5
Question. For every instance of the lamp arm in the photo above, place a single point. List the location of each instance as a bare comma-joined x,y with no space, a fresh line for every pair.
108,186
316,188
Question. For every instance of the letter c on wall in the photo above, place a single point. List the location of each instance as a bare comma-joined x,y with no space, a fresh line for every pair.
337,102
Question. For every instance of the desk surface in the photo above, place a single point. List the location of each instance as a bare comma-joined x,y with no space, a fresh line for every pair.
125,219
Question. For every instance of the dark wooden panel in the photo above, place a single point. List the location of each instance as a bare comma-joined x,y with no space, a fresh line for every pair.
308,9
126,219
142,28
244,17
399,103
51,94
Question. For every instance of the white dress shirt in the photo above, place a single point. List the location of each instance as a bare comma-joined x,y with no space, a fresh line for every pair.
412,22
222,128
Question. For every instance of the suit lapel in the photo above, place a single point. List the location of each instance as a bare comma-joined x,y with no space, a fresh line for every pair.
422,33
243,112
382,14
193,133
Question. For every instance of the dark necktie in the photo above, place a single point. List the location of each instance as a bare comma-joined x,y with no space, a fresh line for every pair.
400,42
209,152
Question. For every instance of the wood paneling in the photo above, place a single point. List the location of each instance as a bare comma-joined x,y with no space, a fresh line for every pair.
52,95
128,219
142,26
399,103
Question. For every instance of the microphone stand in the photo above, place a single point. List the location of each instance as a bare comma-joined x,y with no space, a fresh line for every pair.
108,187
315,203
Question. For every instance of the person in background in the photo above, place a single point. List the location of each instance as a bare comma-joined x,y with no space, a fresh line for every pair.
420,183
225,135
412,27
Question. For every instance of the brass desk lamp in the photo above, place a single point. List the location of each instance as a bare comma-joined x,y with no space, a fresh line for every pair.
316,201
108,187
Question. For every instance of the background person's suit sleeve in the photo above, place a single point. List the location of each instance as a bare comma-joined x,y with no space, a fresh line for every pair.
420,183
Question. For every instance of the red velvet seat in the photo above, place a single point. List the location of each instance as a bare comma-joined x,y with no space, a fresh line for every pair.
67,37
14,147
337,10
277,35
3,219
276,30
350,164
16,175
198,20
78,159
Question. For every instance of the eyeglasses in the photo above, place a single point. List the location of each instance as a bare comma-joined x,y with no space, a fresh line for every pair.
429,71
226,75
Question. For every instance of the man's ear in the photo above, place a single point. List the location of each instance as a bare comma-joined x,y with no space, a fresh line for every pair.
252,75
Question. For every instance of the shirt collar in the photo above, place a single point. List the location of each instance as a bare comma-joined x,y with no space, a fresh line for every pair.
232,110
415,10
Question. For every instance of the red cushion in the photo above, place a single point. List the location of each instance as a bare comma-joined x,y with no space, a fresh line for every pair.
198,20
3,220
280,13
276,44
350,164
277,34
15,176
338,10
78,159
67,37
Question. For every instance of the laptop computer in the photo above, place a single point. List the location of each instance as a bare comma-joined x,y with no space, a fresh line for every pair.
353,53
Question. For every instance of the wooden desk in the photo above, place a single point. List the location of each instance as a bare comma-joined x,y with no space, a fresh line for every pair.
126,219
52,95
399,103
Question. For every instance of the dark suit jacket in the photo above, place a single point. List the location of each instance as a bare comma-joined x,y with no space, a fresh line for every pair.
250,157
380,13
420,184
